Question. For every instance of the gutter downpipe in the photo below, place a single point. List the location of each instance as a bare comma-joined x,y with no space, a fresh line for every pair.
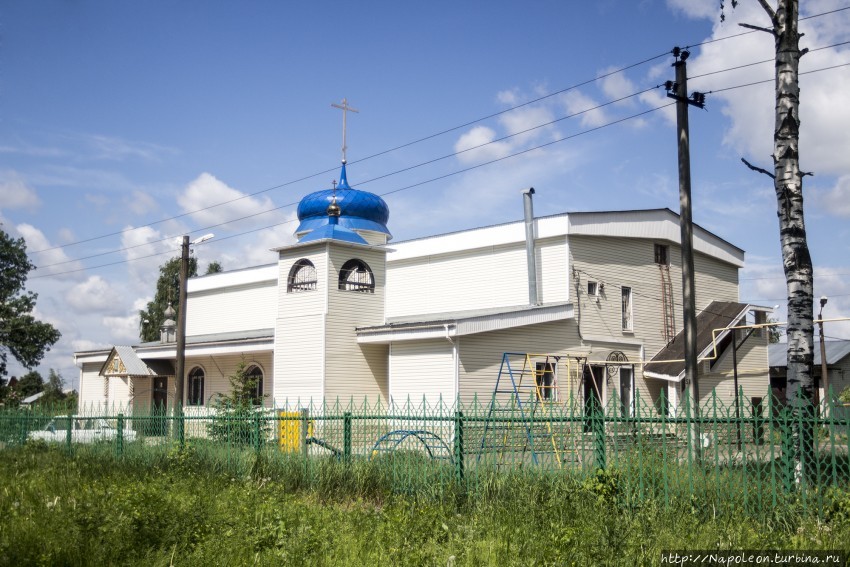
528,210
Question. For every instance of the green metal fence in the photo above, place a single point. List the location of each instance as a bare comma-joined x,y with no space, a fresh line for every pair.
749,456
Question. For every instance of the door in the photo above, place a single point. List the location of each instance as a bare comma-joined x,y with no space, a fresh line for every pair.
592,390
157,425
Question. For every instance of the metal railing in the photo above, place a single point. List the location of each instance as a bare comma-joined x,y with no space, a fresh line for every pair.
752,455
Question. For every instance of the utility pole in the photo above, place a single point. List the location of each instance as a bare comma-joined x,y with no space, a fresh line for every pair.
824,371
679,92
181,332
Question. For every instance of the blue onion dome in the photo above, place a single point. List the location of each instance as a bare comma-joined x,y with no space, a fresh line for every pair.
358,210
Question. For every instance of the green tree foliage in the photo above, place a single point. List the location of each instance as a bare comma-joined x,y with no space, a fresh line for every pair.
21,334
167,291
53,390
29,384
234,410
774,333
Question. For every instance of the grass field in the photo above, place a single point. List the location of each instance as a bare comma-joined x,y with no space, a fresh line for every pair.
182,509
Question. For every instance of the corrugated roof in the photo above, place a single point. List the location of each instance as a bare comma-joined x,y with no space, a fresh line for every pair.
717,315
777,353
133,365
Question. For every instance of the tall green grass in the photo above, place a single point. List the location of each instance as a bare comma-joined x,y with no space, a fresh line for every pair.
196,507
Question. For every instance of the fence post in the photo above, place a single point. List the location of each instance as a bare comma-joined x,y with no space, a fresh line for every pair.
68,430
303,433
598,425
346,437
24,427
120,440
458,448
258,442
181,429
787,447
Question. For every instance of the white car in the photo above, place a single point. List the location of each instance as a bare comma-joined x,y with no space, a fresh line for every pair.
83,430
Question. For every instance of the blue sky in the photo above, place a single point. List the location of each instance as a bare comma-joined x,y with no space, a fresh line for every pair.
114,115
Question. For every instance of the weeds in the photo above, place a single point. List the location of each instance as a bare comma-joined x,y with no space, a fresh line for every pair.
193,506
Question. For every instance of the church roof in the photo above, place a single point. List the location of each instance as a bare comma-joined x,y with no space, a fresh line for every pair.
359,210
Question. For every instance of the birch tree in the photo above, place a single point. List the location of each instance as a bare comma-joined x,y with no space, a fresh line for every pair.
788,184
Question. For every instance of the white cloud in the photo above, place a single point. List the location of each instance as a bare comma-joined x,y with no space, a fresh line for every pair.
478,136
94,295
616,85
824,116
123,329
529,118
85,344
576,102
53,260
16,194
835,201
145,250
508,98
216,202
142,203
692,9
118,149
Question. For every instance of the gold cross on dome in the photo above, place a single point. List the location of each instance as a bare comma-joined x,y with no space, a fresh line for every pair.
345,110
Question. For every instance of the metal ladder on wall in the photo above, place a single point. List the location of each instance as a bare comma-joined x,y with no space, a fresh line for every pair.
669,330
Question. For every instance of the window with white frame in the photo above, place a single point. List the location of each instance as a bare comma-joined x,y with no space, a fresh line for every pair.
626,391
195,379
628,324
592,288
254,375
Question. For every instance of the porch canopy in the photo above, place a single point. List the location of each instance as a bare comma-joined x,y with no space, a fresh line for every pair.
669,363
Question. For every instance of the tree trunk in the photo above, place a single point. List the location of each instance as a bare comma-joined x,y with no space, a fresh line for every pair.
797,262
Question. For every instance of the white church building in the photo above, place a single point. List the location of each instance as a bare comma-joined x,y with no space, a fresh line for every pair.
346,313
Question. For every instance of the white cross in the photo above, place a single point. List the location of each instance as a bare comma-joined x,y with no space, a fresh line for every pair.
345,108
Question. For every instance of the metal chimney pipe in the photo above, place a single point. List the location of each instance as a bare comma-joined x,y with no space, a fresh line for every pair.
528,209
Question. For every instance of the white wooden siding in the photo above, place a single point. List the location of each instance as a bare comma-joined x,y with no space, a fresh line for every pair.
481,355
495,276
218,370
91,395
299,359
630,262
422,370
352,369
240,308
753,375
303,302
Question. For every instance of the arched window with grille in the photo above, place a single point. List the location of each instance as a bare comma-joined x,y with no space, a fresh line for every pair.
255,375
356,275
302,277
195,393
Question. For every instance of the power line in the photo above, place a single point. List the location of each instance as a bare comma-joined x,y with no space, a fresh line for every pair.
415,184
426,138
396,172
400,189
381,153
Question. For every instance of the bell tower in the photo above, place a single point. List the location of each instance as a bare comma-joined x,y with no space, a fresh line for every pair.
331,282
